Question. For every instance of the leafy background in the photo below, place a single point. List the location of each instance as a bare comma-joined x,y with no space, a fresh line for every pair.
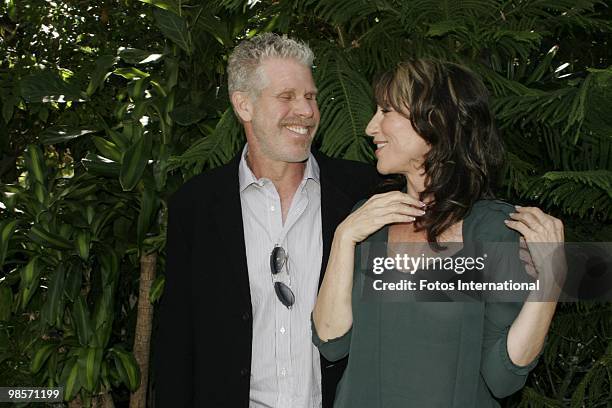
108,106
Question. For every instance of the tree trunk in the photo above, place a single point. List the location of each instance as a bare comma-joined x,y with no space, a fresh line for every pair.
144,323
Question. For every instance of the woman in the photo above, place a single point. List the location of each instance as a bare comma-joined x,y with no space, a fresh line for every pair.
433,127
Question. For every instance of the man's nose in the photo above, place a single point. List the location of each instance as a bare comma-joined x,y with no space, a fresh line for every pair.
303,107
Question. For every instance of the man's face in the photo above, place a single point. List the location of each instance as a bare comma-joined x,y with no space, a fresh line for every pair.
285,115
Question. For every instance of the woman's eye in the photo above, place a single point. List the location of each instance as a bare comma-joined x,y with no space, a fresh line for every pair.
385,110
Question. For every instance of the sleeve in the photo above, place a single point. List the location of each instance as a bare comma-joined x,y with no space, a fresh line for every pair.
338,348
332,349
173,340
501,375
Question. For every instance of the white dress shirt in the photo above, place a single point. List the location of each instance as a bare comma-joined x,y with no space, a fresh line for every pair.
285,365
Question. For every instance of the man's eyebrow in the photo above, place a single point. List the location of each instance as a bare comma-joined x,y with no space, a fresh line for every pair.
282,91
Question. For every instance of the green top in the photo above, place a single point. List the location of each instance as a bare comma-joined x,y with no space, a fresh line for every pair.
429,354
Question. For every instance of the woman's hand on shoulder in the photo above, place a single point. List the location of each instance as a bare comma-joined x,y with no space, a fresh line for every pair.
544,236
535,225
378,211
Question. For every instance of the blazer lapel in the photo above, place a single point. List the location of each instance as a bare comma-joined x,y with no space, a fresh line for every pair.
227,214
333,200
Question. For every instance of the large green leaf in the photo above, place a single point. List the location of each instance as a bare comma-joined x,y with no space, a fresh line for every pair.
170,5
30,276
35,163
70,379
136,56
127,367
47,86
109,262
52,310
135,160
6,301
8,105
48,239
130,73
98,165
41,355
103,65
174,28
107,148
82,244
7,229
90,364
81,320
103,317
186,115
149,203
64,133
157,288
73,282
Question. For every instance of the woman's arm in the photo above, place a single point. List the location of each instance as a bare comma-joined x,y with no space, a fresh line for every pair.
332,315
544,236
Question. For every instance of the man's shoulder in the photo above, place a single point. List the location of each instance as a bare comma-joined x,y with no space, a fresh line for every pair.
346,165
354,178
199,187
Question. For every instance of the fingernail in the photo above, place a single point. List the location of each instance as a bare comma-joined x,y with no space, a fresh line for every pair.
422,204
506,221
517,206
423,212
511,214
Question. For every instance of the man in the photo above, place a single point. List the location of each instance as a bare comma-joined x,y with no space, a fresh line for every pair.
247,245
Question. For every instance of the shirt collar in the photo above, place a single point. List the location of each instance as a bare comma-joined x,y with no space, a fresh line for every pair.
246,176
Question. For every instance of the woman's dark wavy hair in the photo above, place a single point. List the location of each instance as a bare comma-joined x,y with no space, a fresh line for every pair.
448,107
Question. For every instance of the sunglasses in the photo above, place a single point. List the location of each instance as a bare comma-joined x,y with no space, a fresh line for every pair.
278,260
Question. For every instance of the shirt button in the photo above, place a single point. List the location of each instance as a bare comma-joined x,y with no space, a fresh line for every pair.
282,330
246,316
272,208
244,372
283,372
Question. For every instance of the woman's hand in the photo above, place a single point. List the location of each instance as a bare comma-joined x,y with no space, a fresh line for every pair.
378,211
544,236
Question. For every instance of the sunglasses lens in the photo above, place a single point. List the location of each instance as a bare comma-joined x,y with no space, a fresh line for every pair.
284,294
277,259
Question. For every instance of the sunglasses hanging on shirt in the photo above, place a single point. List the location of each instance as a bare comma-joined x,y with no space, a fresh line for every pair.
278,261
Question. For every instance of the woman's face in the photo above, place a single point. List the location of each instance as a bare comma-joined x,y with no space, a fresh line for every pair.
399,148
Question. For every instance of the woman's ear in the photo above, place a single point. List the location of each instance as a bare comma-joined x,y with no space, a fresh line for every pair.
243,106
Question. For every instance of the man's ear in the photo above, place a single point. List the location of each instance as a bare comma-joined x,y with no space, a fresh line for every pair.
243,106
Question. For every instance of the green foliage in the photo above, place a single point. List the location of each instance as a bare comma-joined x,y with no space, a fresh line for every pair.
107,108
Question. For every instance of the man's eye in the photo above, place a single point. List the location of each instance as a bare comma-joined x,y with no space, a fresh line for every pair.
385,110
310,97
287,97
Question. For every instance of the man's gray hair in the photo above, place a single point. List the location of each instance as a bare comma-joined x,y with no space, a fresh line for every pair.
244,65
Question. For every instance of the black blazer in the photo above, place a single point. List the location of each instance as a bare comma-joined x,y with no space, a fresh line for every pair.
202,344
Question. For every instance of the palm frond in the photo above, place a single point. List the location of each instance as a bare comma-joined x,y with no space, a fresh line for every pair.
584,193
533,399
346,105
215,149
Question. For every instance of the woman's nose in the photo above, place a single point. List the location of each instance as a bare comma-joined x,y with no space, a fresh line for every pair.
372,127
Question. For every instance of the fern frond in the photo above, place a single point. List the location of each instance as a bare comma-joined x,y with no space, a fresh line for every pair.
530,398
217,148
585,193
346,105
